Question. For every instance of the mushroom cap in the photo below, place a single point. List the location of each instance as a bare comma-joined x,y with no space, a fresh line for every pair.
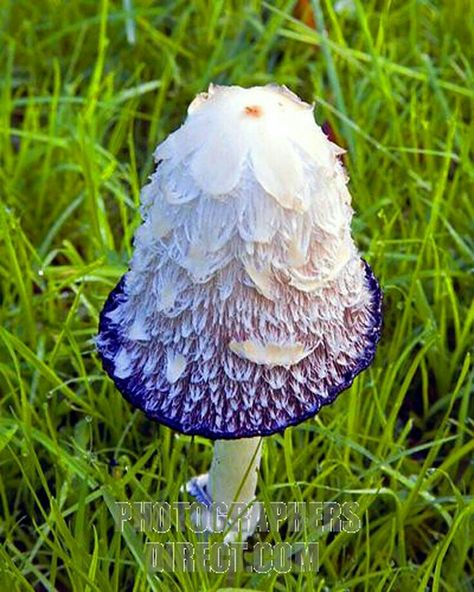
246,307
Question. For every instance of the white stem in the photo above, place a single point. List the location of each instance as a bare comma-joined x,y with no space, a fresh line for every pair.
233,474
233,479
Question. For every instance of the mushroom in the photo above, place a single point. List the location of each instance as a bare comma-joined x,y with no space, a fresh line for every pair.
246,307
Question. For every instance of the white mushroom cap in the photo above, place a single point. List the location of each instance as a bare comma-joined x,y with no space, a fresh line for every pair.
265,126
247,306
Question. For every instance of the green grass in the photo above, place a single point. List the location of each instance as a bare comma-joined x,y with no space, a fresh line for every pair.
87,90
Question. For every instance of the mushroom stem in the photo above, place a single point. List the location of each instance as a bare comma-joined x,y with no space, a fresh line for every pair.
233,480
233,474
230,487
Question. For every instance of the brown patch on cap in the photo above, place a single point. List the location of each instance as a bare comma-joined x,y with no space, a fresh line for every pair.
253,111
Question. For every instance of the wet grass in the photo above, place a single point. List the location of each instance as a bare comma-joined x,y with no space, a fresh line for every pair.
87,90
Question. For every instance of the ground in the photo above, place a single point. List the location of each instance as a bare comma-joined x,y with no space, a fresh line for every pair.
87,90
